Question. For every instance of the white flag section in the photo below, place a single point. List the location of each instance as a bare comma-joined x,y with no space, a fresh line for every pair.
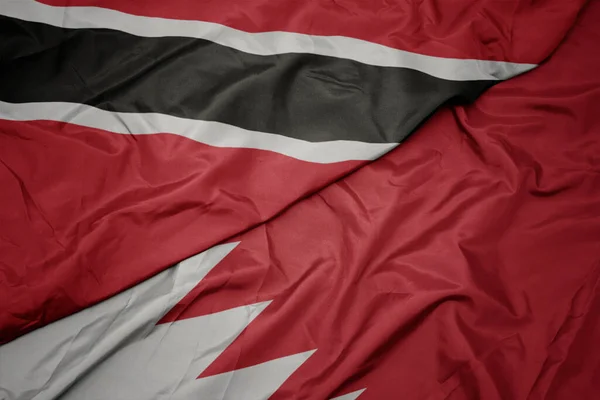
114,350
350,396
253,383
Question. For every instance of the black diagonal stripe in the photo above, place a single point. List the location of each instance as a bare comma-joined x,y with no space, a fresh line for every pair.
310,97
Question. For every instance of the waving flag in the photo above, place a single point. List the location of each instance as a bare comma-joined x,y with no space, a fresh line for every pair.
138,134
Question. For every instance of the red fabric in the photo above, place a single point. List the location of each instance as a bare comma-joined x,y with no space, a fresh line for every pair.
86,213
505,30
463,265
573,367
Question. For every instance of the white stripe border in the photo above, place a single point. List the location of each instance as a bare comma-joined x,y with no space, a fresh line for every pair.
264,43
212,133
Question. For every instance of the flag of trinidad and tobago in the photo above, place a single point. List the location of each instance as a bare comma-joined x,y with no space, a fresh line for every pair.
207,200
